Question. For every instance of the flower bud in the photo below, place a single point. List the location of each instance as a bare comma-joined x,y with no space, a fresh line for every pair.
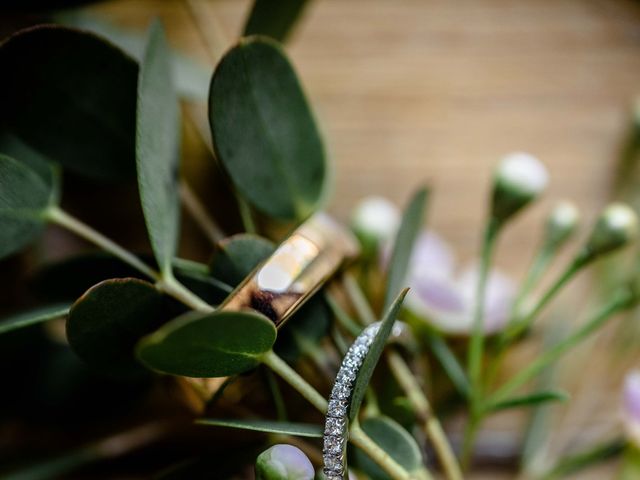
375,221
631,407
283,462
518,180
616,226
561,224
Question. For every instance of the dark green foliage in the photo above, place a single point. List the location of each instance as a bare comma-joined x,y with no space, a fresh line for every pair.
264,132
81,97
205,345
107,321
25,196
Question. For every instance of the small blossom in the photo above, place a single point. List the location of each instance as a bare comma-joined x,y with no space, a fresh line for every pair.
375,220
561,223
616,226
631,406
446,299
518,180
283,462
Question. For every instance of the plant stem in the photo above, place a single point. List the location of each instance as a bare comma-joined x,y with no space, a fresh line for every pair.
357,435
63,219
165,282
365,443
342,317
520,325
289,375
622,300
476,345
431,425
475,353
358,299
246,215
177,290
199,213
538,267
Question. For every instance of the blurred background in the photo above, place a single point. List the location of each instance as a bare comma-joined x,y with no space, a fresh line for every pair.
415,91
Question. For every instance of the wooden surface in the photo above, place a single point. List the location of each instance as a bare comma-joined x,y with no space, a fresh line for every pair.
414,91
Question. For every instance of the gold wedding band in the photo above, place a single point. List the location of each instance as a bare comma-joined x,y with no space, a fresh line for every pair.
296,270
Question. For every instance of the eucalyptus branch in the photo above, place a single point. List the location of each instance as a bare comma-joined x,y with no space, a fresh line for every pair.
63,219
165,282
199,213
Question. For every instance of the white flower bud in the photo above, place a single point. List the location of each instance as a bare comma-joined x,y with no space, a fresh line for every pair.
616,226
561,223
283,462
519,179
375,220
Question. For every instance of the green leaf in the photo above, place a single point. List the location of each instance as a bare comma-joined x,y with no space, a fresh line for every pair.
264,132
25,197
191,78
449,362
403,246
205,345
237,256
529,400
375,351
394,440
284,428
158,148
81,96
105,324
33,317
274,18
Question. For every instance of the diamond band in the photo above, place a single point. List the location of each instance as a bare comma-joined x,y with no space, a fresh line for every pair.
337,422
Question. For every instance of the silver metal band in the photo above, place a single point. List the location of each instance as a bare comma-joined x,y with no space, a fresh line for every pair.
336,427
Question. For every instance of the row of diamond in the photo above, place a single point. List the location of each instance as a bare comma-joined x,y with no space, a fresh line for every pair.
336,425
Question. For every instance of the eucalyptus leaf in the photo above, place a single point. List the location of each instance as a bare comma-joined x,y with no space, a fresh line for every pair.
394,440
158,148
529,400
283,428
371,359
33,317
238,255
264,132
403,246
204,345
105,324
25,197
80,92
274,18
191,78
